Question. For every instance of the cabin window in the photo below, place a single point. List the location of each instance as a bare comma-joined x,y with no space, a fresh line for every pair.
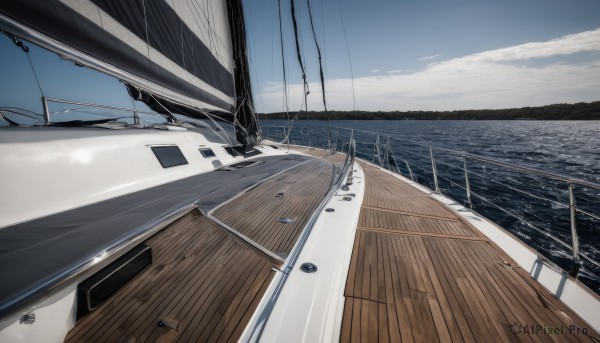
169,156
207,152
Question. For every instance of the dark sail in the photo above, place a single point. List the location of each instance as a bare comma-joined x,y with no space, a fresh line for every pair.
189,53
246,122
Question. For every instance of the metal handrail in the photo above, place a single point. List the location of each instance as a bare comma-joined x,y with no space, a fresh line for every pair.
47,113
464,156
490,160
521,168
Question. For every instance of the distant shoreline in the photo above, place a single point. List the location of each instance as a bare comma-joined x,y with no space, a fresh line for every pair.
578,111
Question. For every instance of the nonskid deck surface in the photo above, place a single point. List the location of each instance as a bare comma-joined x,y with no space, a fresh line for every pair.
204,281
419,273
336,158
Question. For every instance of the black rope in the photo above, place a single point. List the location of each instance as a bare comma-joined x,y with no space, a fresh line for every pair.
306,91
320,69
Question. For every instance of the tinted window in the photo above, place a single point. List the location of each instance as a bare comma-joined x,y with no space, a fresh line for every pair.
207,152
169,156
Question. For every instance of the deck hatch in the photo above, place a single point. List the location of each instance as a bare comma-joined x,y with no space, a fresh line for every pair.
169,156
100,286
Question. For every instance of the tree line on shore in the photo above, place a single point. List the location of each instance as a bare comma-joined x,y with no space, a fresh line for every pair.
578,111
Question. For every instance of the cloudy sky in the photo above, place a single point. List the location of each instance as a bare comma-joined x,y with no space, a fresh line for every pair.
428,55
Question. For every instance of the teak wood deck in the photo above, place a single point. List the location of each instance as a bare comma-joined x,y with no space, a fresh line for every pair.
420,274
262,212
203,285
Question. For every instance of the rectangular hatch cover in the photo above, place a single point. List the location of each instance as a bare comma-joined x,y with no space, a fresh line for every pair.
100,286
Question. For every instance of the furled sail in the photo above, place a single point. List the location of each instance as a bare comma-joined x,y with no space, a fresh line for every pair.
186,53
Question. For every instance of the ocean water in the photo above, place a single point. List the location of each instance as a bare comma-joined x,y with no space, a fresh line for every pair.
534,208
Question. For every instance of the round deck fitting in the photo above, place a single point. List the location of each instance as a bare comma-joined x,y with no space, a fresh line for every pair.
329,210
29,318
308,267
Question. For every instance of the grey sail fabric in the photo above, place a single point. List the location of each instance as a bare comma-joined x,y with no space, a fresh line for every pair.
183,46
194,49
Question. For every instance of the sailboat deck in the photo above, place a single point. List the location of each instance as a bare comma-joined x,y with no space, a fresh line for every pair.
204,282
263,212
419,273
203,285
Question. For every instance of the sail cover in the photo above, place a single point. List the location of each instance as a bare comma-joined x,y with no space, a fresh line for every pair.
184,46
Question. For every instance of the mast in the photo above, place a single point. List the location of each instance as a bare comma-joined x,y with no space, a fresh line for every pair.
245,118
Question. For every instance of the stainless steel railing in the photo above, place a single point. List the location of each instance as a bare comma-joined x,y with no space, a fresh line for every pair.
47,114
570,182
387,152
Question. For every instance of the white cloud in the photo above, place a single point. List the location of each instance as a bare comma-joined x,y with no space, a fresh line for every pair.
374,70
429,57
395,71
570,44
482,80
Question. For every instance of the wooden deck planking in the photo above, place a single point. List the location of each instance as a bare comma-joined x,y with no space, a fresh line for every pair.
436,278
336,158
295,194
202,280
372,218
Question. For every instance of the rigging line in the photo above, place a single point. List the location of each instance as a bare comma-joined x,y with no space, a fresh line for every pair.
283,64
298,54
527,223
349,59
323,32
181,36
146,27
272,45
34,73
19,43
320,70
174,119
215,34
250,28
171,116
587,213
210,29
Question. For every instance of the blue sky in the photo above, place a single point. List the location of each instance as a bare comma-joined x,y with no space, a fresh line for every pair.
430,55
406,55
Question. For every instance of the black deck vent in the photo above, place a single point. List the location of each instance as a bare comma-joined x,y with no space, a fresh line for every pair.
100,286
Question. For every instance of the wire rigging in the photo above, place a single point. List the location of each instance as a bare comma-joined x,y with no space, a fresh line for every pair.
299,55
320,70
349,58
285,100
